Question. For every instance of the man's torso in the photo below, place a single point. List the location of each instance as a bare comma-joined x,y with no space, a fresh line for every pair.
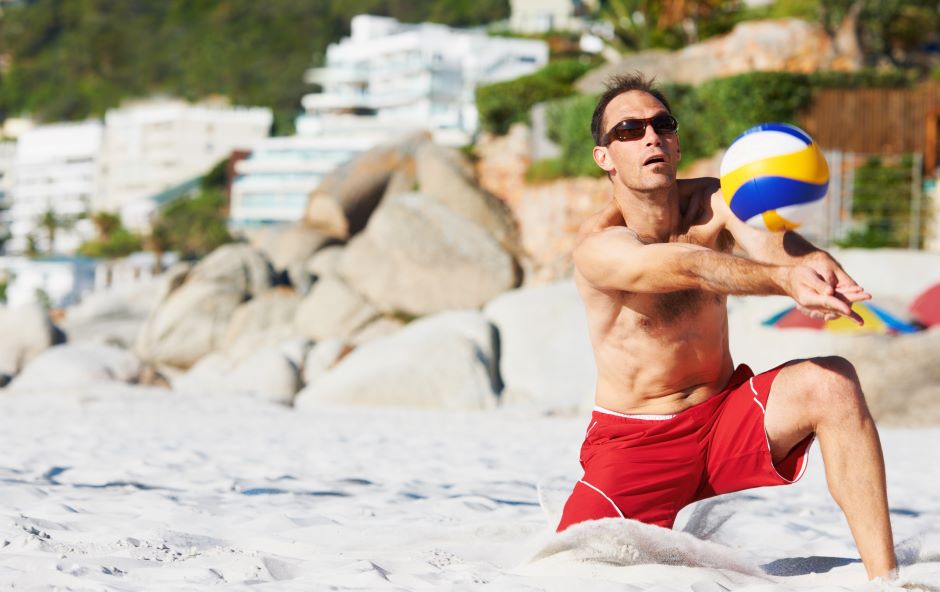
658,353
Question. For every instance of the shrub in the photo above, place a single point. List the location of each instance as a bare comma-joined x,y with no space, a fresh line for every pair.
504,103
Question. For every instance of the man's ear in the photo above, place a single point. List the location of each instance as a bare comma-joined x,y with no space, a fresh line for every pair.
602,158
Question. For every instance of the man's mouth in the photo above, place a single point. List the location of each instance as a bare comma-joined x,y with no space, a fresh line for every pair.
654,159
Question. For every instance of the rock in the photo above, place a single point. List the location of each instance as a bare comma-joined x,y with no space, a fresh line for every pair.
325,262
194,318
301,280
786,45
322,357
447,176
285,246
267,374
418,257
236,266
71,366
504,161
376,328
445,361
344,200
191,323
172,279
545,357
332,309
27,331
274,308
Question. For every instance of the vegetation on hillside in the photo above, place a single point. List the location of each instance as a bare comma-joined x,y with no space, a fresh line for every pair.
69,59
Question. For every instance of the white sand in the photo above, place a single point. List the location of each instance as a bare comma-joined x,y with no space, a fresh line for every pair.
137,489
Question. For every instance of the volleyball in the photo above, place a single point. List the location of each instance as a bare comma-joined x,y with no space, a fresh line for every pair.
772,175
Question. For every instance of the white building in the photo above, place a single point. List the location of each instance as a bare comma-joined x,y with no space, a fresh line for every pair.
424,74
386,80
541,16
151,147
272,184
55,171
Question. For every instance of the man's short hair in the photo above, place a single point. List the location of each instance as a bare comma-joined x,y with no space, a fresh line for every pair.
616,86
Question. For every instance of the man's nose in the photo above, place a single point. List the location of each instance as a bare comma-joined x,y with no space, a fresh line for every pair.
650,137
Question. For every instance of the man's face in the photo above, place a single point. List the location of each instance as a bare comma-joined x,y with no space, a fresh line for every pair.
648,163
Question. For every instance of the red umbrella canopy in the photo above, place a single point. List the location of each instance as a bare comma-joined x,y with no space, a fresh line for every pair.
926,308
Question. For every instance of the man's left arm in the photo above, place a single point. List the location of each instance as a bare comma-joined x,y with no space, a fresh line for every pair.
788,248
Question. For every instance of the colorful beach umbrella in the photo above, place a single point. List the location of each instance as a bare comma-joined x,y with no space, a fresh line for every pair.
877,320
926,307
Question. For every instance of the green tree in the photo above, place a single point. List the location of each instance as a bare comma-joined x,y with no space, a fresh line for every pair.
52,222
75,58
191,226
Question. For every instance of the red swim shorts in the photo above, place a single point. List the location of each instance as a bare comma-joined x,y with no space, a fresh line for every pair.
649,469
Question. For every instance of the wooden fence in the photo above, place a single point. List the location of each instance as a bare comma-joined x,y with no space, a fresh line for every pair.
877,121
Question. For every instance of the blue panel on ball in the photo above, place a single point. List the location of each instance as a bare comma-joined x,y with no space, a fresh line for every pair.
769,193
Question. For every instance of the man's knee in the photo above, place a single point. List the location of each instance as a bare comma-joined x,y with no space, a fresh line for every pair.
831,385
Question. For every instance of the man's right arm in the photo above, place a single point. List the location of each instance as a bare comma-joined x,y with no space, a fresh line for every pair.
614,259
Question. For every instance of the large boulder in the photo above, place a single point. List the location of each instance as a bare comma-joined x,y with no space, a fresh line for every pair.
72,366
27,331
194,318
272,373
263,321
286,246
444,361
332,309
235,266
546,360
189,324
418,257
341,204
447,176
325,262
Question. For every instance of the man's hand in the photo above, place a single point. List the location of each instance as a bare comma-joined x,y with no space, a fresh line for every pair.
842,283
819,296
694,197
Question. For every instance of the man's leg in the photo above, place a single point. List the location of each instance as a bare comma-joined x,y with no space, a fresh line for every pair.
823,395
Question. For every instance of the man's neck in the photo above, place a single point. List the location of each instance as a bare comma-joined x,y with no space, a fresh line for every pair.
654,216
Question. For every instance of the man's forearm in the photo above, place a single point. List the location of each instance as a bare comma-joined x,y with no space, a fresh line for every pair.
729,274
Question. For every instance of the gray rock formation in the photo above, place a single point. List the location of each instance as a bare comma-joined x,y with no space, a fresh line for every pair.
27,331
447,176
545,354
332,309
71,366
418,257
193,319
445,361
341,205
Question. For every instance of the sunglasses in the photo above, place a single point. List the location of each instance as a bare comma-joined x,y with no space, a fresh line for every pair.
634,129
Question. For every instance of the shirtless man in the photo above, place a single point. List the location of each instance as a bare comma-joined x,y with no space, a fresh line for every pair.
675,422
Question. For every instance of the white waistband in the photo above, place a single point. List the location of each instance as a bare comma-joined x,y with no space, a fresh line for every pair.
600,409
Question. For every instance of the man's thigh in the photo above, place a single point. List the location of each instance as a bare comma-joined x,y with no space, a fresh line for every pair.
740,452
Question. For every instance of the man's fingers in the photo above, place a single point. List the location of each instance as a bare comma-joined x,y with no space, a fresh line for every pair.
854,296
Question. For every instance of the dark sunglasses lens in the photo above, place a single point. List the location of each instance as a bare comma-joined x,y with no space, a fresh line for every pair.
631,129
665,124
